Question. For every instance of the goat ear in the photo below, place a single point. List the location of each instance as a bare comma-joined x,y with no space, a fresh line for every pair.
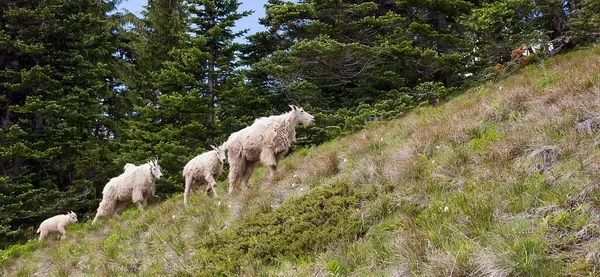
293,107
214,148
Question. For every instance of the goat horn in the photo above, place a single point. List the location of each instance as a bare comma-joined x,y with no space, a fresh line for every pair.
295,101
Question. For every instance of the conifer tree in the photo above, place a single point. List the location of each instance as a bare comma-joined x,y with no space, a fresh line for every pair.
585,20
178,121
214,20
358,59
54,58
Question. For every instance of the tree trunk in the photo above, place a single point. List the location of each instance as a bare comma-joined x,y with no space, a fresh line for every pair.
5,117
39,123
211,91
17,163
442,22
571,6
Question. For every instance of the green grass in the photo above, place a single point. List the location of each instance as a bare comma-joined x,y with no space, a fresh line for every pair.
483,136
496,181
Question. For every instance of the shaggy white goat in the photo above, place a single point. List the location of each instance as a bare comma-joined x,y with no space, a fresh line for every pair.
56,224
128,166
267,140
204,168
133,185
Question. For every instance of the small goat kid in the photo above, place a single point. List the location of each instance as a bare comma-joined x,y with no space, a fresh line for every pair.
56,224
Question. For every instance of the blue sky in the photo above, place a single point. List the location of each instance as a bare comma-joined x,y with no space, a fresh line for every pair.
250,22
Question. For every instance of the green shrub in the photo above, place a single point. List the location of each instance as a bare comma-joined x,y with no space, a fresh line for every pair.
335,268
18,250
301,226
573,220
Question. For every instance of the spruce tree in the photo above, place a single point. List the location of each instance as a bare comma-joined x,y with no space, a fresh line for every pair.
585,20
214,20
55,58
352,60
177,119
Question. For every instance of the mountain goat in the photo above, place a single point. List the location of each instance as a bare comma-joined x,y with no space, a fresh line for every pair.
203,168
267,140
56,224
133,185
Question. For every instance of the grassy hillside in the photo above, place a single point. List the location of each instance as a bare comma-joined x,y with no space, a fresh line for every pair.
500,181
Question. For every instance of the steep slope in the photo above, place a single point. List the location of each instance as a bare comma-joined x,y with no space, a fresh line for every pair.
500,181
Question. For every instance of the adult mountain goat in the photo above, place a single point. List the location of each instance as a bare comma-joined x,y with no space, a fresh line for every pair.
267,140
133,185
204,168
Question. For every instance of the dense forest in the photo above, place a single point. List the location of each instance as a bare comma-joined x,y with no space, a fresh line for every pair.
85,88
